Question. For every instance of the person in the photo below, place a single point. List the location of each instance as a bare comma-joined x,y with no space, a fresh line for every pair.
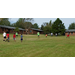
51,34
14,37
56,34
68,35
7,36
21,37
4,35
16,34
46,35
38,34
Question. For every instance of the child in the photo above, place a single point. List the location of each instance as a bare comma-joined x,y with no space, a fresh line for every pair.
16,34
4,35
67,35
14,37
46,35
21,37
38,34
7,37
56,34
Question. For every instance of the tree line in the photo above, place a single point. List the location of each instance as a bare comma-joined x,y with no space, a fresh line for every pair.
52,27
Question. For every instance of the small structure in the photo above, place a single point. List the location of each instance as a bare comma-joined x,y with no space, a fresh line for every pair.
71,32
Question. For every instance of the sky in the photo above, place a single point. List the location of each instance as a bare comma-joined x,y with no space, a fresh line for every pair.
40,21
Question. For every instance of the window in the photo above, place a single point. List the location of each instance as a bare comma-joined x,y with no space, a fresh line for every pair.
12,30
2,29
30,30
71,32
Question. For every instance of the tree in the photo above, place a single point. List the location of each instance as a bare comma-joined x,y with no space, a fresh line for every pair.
19,23
16,29
27,23
42,27
47,29
50,23
4,21
71,26
35,26
58,27
1,19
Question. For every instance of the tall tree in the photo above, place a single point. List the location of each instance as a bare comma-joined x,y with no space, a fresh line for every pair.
27,23
71,26
36,26
47,29
58,27
50,23
19,23
16,29
42,27
4,21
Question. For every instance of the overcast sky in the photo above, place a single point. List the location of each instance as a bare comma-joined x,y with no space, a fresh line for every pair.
40,21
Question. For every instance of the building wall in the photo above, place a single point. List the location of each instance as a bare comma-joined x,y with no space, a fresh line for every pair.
30,31
10,30
70,33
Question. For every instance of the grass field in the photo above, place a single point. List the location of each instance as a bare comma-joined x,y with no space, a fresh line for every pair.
32,46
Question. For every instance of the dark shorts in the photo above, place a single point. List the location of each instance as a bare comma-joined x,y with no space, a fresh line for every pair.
5,37
21,39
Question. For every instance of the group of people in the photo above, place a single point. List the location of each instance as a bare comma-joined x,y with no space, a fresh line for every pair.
46,34
6,36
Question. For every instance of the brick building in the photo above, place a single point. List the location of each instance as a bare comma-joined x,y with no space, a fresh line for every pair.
70,31
10,29
34,31
23,31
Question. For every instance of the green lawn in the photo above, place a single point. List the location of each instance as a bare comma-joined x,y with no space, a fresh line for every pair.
32,46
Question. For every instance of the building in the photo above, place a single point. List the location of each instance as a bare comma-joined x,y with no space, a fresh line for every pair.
10,29
34,31
23,31
70,31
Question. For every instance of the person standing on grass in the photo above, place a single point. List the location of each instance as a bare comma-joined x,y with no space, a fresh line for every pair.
14,37
51,34
46,35
21,37
4,35
38,34
7,37
68,35
56,34
16,34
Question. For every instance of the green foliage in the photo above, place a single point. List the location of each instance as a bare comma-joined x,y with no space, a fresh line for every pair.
5,21
16,29
71,26
42,27
58,27
35,26
47,29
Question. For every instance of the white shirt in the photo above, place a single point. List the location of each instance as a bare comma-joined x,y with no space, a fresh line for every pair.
4,34
51,33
